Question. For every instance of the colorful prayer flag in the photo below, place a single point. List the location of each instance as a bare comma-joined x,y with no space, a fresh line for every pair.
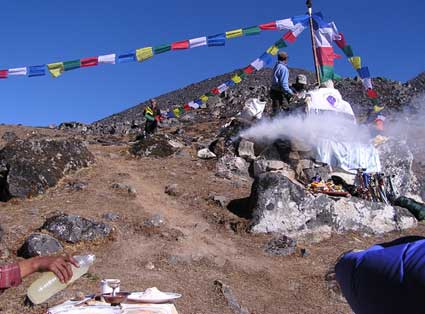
258,64
162,48
143,54
285,24
372,93
269,26
325,55
127,57
348,51
280,44
215,91
216,40
56,69
170,115
248,70
266,58
356,62
198,102
71,65
89,62
229,83
326,73
367,83
298,29
209,94
4,74
273,50
176,112
178,45
36,70
363,72
253,30
107,59
18,71
236,78
204,98
302,19
341,43
193,105
198,42
235,33
222,88
289,37
186,107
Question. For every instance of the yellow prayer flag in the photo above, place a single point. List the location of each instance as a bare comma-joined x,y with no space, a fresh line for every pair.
176,112
56,69
235,33
273,50
204,98
237,79
143,54
356,62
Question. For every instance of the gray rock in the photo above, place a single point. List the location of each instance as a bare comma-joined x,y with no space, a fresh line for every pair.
262,165
172,189
124,188
9,136
111,216
74,229
76,186
281,206
229,166
39,244
323,171
205,153
281,246
219,200
35,165
246,150
154,221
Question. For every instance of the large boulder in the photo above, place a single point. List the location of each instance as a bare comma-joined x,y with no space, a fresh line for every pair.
74,229
283,207
39,244
154,146
29,167
229,166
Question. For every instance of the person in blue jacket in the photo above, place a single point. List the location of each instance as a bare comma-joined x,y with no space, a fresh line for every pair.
385,278
280,92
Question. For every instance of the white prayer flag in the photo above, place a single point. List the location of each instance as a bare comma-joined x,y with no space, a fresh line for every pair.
367,83
18,71
198,42
222,88
193,105
107,59
285,24
258,64
298,29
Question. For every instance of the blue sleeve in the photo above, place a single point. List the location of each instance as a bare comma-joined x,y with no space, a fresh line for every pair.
284,84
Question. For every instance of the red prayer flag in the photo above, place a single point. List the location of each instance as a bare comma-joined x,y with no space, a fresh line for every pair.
269,26
215,91
89,62
4,74
180,45
372,93
290,37
249,69
325,56
186,107
341,43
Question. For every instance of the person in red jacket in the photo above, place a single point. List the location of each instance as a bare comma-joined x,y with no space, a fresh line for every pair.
11,275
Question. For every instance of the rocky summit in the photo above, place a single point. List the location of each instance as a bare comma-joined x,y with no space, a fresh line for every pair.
230,222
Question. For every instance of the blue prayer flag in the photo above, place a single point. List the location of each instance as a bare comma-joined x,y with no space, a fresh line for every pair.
266,58
36,70
127,57
364,72
303,19
170,115
216,40
198,101
230,83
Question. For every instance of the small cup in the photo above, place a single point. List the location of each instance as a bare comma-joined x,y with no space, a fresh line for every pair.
105,287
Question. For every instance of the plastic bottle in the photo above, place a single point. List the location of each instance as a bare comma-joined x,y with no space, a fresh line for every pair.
48,284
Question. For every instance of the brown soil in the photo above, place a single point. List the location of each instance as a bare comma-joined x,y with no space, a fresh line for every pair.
199,242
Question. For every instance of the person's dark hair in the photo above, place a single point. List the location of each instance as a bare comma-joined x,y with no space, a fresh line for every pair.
282,56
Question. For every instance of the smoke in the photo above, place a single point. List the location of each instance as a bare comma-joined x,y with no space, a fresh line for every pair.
308,129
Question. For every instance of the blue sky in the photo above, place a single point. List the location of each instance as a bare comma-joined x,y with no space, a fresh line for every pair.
387,35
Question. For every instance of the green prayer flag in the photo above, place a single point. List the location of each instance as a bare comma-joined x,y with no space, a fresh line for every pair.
209,94
71,65
326,73
162,48
181,109
348,51
374,101
254,30
242,75
280,44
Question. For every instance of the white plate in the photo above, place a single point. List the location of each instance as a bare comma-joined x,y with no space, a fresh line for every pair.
163,297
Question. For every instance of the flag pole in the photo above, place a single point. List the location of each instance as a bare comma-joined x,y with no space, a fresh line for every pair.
313,43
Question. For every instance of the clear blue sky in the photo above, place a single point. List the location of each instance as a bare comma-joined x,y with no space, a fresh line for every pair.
388,35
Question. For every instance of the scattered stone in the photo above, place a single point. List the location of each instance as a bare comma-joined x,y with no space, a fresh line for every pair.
229,166
39,244
124,188
35,165
172,189
154,221
4,252
111,216
150,266
220,200
205,153
246,150
76,186
281,246
9,136
218,147
323,171
230,298
74,229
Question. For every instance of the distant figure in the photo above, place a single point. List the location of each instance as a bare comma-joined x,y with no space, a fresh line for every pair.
152,115
300,85
375,120
280,93
386,278
11,275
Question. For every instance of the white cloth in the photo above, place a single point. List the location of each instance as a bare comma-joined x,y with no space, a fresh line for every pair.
348,156
193,105
258,64
107,59
197,42
367,83
253,108
328,99
325,36
298,29
18,71
285,24
223,87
